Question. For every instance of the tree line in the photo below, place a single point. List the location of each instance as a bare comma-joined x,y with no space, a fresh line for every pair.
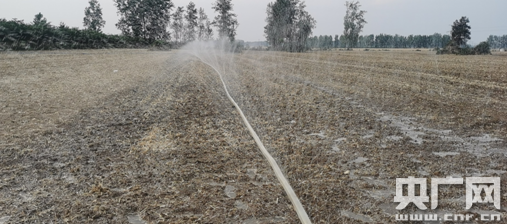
288,25
41,35
381,41
160,23
282,29
497,42
142,23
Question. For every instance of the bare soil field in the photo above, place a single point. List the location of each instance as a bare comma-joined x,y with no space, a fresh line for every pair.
136,136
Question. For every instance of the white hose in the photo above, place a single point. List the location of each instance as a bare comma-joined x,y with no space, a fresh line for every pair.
303,216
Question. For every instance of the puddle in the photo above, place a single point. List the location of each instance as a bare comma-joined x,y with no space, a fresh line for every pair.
321,134
416,160
394,137
480,146
382,195
340,140
69,178
59,165
240,205
26,197
360,160
485,139
135,219
356,216
451,138
4,219
376,182
251,173
335,148
405,124
368,136
389,208
230,191
423,173
444,154
412,129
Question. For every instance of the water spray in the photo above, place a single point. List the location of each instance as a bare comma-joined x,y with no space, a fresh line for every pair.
223,48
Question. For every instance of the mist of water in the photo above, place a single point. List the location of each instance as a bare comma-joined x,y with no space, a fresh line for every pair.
219,55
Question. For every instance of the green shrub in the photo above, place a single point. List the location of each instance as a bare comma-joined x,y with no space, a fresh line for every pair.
467,50
17,35
453,48
482,48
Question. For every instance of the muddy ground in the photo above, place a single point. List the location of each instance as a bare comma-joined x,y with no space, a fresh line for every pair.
136,136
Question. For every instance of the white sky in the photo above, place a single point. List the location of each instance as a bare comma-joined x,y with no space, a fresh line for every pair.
402,17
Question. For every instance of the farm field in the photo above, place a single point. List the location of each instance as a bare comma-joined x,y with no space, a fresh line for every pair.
137,136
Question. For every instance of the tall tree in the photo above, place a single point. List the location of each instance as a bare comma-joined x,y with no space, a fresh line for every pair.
93,17
353,23
370,41
280,19
343,41
336,42
304,26
39,20
436,40
178,24
493,41
503,41
445,40
208,31
203,24
41,32
147,19
191,19
460,32
288,25
225,21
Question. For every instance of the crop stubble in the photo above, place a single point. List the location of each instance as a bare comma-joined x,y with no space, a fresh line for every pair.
158,139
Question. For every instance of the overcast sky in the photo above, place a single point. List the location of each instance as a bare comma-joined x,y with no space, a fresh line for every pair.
402,17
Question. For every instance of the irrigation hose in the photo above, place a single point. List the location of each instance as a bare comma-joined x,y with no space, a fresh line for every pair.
303,216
